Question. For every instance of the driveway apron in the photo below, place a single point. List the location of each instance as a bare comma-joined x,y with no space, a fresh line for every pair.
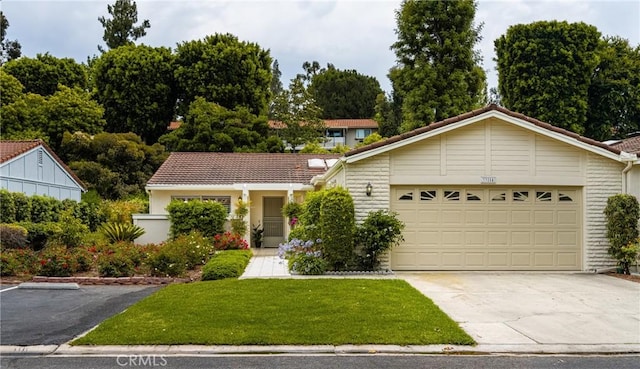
536,308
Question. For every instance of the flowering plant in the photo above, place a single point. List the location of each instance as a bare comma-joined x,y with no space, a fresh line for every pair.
305,257
229,241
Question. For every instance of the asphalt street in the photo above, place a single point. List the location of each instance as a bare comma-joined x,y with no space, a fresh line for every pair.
55,316
324,362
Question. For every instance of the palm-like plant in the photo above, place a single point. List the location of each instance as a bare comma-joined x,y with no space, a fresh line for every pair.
116,232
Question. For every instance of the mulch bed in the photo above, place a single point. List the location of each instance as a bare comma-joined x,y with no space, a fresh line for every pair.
632,277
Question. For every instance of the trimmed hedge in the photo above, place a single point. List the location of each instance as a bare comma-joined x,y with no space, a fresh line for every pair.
226,264
207,217
337,227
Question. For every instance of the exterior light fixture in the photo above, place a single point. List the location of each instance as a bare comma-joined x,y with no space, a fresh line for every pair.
369,189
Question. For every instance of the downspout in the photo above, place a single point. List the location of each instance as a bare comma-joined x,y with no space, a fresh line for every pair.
625,176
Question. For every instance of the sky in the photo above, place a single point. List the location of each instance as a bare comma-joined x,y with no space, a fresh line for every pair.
350,34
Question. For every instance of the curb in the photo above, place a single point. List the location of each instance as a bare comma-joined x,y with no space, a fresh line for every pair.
202,350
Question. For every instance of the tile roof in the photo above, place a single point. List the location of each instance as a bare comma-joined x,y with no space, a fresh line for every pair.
630,145
208,168
174,125
474,113
11,149
330,123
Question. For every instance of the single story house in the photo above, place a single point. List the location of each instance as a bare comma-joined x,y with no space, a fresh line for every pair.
487,190
31,167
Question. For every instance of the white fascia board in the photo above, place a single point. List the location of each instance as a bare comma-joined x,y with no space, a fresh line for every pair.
336,167
490,114
233,187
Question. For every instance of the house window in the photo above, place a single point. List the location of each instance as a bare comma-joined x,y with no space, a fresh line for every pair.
361,133
334,133
428,195
224,200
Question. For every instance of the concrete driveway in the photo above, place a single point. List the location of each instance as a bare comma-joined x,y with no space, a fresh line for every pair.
537,308
55,316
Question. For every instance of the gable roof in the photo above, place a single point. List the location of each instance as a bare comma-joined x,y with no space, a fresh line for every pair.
10,149
630,145
476,113
209,168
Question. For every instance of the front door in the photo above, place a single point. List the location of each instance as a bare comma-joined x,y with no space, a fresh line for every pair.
273,221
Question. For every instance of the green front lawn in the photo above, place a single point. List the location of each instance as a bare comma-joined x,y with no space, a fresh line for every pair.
281,311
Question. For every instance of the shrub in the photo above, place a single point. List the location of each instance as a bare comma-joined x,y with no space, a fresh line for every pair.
56,262
121,232
208,217
292,211
622,213
45,209
39,234
18,261
196,248
226,264
12,236
92,214
7,207
238,224
229,241
83,259
379,232
309,219
23,207
257,235
337,226
120,211
115,264
304,257
167,263
72,230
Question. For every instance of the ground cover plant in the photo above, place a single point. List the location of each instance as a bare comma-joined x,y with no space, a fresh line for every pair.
281,311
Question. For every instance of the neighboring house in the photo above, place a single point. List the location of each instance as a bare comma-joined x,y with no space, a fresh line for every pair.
631,145
487,190
268,181
31,167
347,132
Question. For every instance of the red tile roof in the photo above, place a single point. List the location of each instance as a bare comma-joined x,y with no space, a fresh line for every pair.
336,123
474,113
630,145
12,149
207,168
174,125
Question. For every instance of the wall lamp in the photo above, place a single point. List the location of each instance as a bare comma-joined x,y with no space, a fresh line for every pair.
369,189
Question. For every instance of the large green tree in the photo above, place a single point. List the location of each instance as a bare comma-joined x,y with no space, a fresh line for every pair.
135,85
437,73
42,75
345,94
223,70
211,127
276,87
116,165
545,70
614,92
296,110
121,30
11,49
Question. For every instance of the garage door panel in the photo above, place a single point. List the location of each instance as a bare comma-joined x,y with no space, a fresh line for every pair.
489,229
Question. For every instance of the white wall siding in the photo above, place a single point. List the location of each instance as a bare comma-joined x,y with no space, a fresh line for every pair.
604,179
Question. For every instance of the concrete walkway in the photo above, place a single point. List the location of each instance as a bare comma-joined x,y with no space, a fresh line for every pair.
265,263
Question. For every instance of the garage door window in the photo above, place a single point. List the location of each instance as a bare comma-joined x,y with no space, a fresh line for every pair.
452,195
498,196
428,195
565,197
406,197
520,195
543,196
474,196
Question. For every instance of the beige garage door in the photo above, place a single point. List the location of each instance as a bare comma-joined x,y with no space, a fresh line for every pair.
494,228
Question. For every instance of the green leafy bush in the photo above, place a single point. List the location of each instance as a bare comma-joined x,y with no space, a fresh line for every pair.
304,257
17,262
39,234
23,206
72,230
83,259
56,262
9,264
12,236
238,224
7,207
208,217
309,219
337,226
226,264
196,248
120,211
167,263
45,209
92,214
622,213
292,211
121,232
229,241
115,264
379,232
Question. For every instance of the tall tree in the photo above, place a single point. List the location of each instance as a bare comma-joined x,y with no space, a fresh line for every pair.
43,74
135,84
344,94
211,127
276,87
11,49
437,73
545,69
121,29
388,114
224,70
296,109
614,92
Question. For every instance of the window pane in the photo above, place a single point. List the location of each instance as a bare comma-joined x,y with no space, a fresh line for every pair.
452,195
473,196
564,197
498,196
407,196
520,195
428,195
543,196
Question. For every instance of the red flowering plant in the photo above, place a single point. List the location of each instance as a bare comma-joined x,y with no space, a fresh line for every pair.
229,241
56,262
